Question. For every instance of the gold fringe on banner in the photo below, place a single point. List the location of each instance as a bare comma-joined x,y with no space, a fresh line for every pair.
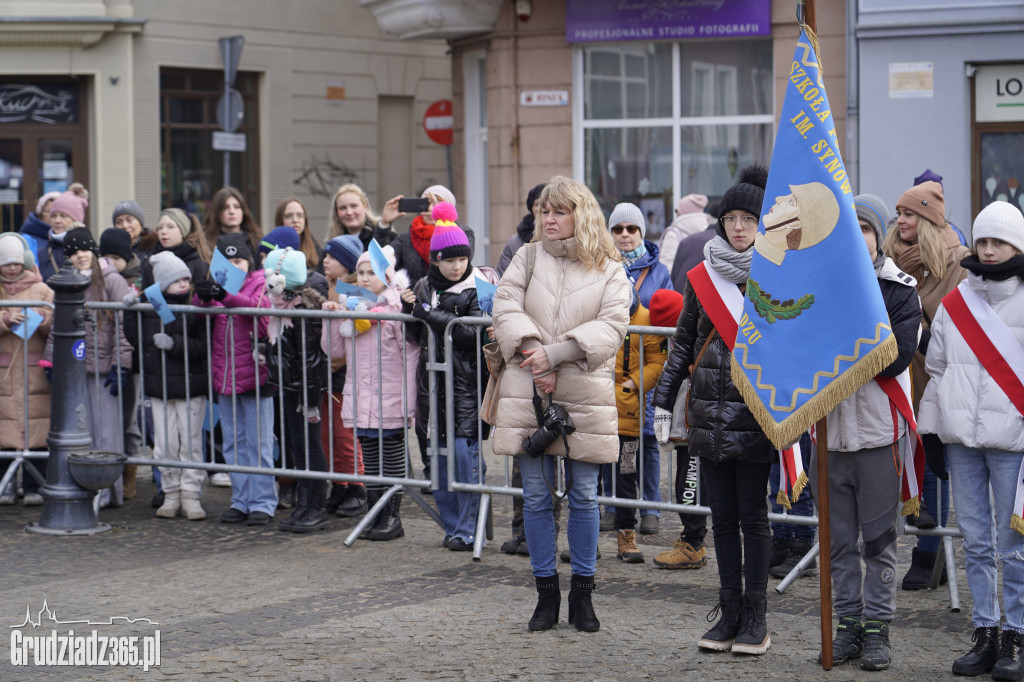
817,47
785,433
798,487
911,507
783,499
1017,523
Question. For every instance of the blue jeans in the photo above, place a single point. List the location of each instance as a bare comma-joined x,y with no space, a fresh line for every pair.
802,507
459,510
249,492
538,514
651,471
988,542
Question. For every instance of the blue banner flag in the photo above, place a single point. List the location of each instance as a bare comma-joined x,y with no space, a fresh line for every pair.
225,273
156,299
814,327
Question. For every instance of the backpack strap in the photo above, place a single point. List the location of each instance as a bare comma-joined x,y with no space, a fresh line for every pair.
531,261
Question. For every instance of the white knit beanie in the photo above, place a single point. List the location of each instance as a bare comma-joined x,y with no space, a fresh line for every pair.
1000,220
628,214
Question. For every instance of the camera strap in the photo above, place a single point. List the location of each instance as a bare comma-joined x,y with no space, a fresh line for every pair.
538,409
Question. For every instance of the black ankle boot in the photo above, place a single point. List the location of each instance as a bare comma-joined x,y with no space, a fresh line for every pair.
581,609
389,525
1010,665
301,507
339,493
355,502
982,656
315,517
549,600
919,577
372,497
753,637
721,636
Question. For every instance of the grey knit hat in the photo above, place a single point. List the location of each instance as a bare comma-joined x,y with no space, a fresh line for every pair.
628,214
168,269
128,207
871,209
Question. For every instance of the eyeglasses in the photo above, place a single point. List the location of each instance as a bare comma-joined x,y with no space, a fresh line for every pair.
294,216
632,229
748,220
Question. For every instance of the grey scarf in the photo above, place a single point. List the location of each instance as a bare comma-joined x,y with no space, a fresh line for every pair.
727,261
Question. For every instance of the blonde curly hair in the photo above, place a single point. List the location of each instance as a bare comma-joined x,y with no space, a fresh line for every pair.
594,242
334,226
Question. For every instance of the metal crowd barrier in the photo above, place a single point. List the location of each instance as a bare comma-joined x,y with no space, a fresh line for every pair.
437,372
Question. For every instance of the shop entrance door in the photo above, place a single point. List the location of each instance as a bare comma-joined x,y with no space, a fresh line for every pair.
33,163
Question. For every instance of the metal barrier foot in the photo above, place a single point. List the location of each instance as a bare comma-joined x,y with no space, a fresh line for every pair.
946,558
371,515
481,525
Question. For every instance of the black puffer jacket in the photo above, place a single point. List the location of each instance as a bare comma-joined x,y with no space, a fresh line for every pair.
722,428
459,301
153,358
286,360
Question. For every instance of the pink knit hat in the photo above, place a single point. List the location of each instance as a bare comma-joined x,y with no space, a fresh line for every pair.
448,240
691,203
72,204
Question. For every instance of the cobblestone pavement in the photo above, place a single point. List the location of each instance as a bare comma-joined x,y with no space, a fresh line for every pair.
235,602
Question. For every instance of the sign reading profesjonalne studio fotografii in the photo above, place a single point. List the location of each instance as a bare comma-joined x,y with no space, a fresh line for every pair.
607,20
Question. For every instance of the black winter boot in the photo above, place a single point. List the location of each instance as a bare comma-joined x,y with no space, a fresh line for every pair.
581,609
315,517
982,656
721,636
354,503
919,577
372,496
389,525
753,637
1010,665
549,600
780,549
301,507
339,493
877,652
796,552
848,642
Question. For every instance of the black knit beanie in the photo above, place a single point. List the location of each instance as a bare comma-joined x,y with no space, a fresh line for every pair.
746,195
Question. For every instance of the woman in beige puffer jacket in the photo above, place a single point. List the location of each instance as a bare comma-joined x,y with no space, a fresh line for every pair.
559,328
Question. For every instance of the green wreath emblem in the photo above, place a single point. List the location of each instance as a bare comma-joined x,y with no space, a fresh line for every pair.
772,309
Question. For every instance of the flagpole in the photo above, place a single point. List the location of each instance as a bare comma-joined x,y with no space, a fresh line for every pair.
806,11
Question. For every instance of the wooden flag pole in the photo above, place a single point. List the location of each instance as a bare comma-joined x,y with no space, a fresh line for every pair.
821,451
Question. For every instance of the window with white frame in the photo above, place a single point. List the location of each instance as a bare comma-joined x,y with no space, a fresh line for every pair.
656,121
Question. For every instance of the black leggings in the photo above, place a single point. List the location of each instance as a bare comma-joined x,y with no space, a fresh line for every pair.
386,461
737,490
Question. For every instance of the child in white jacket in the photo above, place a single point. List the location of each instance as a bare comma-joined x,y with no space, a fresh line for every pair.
983,430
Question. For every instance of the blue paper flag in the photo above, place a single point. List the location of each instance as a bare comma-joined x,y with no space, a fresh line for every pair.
485,294
378,261
225,274
814,327
156,298
30,325
346,289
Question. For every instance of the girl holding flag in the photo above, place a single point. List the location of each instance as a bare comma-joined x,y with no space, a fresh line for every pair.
974,403
737,454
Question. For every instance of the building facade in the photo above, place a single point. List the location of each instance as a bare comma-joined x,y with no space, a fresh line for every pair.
122,95
644,105
941,86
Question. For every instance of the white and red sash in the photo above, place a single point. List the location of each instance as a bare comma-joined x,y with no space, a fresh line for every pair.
792,477
898,391
990,339
722,300
999,353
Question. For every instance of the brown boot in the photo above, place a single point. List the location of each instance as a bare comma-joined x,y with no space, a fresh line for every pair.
628,551
128,475
682,555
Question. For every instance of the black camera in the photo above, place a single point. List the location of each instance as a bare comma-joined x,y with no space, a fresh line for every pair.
555,422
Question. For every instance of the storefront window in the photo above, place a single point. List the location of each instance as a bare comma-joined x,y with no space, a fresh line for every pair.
1002,168
192,171
662,120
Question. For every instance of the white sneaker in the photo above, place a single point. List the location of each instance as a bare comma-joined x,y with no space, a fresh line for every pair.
8,498
32,500
193,510
221,480
169,509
